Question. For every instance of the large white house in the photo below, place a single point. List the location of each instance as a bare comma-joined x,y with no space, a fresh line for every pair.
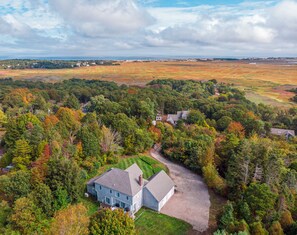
128,190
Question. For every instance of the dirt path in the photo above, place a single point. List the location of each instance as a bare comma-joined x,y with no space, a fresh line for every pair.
191,202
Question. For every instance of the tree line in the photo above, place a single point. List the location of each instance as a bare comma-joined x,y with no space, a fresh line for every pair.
58,135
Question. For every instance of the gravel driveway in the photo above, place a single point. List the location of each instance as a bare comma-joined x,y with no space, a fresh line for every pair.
191,200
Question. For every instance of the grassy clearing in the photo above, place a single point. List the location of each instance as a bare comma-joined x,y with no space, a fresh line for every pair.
148,165
90,204
149,222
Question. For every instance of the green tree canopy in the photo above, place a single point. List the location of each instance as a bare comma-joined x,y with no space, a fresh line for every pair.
260,199
65,174
106,222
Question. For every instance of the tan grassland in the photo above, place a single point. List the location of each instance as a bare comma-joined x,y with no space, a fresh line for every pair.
264,82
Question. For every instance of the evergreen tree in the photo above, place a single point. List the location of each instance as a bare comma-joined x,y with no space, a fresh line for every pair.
227,219
22,154
65,174
260,199
42,196
72,102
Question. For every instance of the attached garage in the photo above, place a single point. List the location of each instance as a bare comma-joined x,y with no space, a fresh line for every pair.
158,191
166,199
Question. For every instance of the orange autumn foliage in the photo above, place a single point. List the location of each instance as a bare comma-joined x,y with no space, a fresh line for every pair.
251,115
24,93
286,219
39,167
72,220
237,129
132,91
50,121
156,132
76,114
19,96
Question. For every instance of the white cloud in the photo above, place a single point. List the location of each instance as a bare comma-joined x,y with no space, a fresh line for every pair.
125,27
241,27
283,18
100,18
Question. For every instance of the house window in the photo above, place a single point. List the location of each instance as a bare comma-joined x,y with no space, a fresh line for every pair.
110,191
100,187
127,198
118,194
122,204
107,200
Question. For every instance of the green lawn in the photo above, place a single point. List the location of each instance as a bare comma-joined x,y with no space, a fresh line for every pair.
149,222
148,165
90,204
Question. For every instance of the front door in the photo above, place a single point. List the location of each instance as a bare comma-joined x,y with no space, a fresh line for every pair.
123,205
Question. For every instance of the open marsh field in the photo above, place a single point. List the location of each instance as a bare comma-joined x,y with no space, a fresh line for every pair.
262,82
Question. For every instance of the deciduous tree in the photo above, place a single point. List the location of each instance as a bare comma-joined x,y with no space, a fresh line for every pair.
110,142
16,185
72,220
26,217
106,222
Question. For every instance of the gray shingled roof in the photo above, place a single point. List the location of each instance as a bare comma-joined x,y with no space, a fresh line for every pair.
134,170
278,131
160,185
124,181
173,117
179,115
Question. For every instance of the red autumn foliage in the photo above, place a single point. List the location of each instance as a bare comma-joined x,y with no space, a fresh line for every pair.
39,167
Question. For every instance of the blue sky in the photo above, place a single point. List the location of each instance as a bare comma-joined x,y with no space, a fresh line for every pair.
98,28
168,3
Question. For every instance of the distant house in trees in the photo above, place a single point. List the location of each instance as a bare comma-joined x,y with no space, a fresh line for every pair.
159,117
283,132
180,115
128,190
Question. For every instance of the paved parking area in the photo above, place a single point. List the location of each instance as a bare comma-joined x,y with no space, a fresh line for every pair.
191,201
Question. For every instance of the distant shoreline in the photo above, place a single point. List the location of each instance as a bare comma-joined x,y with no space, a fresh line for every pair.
150,58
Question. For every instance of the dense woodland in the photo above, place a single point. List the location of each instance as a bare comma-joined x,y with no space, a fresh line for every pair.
58,135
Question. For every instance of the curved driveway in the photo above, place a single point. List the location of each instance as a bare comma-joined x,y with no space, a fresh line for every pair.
191,200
